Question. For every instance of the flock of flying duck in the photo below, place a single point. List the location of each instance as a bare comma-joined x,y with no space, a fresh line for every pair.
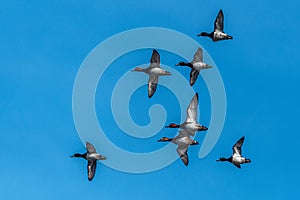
190,126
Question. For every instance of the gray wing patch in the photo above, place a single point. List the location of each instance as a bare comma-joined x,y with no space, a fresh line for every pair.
155,59
90,148
182,152
193,76
91,169
198,57
219,22
191,111
237,148
152,85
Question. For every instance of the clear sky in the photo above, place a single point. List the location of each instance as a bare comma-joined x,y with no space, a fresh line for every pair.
43,44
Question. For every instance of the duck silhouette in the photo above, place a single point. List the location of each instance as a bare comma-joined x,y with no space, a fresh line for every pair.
92,157
190,125
183,141
237,159
196,65
218,33
154,71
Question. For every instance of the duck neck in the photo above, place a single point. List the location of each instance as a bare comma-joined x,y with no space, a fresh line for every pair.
78,155
207,34
225,159
185,64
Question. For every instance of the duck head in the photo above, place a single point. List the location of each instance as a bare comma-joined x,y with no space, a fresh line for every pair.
164,139
194,142
180,64
173,125
184,64
247,160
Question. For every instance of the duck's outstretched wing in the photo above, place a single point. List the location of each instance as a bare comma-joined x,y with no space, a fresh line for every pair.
155,59
237,147
182,152
193,76
198,57
91,169
192,110
219,22
152,85
90,148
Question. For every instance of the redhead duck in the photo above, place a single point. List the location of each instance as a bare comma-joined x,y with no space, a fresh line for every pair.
183,141
190,125
154,71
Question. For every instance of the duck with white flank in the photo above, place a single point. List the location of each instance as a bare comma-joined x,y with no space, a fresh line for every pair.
218,33
183,141
196,65
237,159
154,72
91,156
190,125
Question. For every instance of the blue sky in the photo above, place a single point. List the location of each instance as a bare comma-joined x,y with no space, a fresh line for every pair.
42,47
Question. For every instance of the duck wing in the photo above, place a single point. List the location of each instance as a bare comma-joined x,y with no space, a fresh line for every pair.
219,22
182,152
237,147
198,57
90,148
155,59
91,169
192,112
152,84
237,165
193,76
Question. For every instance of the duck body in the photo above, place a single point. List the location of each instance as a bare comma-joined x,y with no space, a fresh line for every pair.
92,157
237,159
216,36
196,66
192,127
154,71
218,33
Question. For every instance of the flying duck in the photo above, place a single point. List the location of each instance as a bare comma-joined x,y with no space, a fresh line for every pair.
154,72
190,125
196,65
237,159
91,156
218,33
183,141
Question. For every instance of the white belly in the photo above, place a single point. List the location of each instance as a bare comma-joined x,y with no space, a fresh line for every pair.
238,159
189,127
156,71
183,140
199,65
92,156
